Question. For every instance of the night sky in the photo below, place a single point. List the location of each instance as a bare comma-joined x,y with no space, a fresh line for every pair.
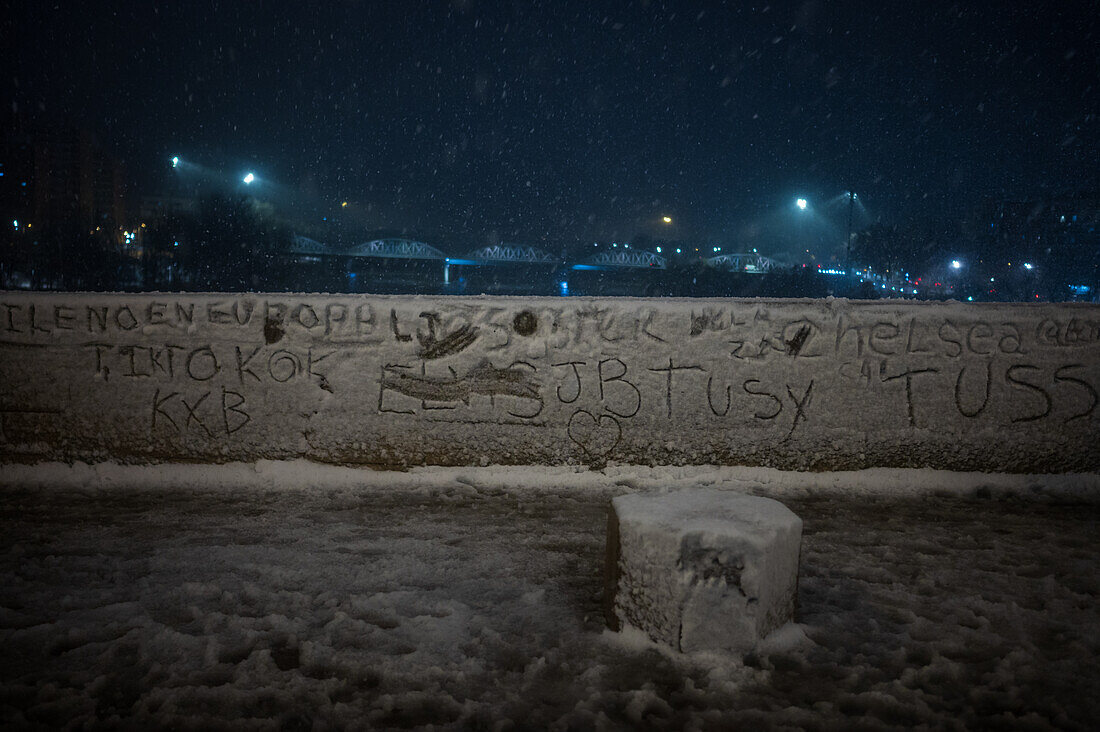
571,120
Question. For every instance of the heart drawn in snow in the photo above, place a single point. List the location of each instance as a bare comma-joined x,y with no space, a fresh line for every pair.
597,437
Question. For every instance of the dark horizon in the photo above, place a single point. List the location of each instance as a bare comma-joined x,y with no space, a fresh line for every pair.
565,121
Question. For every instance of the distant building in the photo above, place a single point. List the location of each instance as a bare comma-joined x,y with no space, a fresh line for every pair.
1054,240
59,177
16,179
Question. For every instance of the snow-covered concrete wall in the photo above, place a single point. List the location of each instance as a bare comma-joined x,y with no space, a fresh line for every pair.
808,384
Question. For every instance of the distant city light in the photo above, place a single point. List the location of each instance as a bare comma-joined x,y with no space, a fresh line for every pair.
564,287
666,219
1027,265
956,264
801,203
175,162
658,250
677,251
344,204
15,223
249,178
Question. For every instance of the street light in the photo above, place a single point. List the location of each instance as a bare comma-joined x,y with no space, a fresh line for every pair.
249,178
666,219
175,161
802,203
848,241
956,264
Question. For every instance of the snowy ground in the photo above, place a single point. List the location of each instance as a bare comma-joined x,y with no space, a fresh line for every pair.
300,596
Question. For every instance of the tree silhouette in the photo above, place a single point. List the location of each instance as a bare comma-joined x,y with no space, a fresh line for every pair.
233,244
886,248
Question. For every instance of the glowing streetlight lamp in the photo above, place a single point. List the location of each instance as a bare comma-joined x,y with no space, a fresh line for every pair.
956,264
248,179
175,161
802,203
666,219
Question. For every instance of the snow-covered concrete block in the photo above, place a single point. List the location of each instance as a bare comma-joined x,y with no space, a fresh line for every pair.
701,569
